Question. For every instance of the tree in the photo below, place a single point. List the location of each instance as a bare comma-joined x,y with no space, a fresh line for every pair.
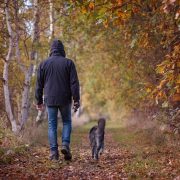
14,41
8,106
29,72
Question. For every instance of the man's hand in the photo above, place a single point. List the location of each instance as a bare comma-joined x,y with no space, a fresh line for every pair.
76,105
40,107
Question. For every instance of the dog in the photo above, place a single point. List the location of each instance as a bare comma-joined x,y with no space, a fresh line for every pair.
96,137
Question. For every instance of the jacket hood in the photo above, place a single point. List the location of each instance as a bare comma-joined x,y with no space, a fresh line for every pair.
57,48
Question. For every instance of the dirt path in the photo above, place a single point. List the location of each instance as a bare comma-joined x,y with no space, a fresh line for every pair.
34,163
118,162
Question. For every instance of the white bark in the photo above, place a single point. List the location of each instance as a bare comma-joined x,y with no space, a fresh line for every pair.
25,96
18,107
28,75
51,19
16,20
8,106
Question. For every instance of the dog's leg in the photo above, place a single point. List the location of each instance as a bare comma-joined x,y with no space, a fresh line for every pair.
96,155
97,152
101,149
93,151
98,147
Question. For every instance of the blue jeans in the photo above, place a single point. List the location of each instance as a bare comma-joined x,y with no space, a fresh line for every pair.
52,125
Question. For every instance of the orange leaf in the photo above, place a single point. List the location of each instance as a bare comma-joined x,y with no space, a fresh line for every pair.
91,5
120,14
176,97
119,2
105,23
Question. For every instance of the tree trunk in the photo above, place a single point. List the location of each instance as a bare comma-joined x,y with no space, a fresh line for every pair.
42,114
8,106
26,90
51,19
17,37
25,96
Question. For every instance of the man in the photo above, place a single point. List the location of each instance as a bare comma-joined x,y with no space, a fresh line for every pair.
57,79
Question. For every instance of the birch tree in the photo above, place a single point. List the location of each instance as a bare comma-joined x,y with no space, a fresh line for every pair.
51,19
8,106
26,89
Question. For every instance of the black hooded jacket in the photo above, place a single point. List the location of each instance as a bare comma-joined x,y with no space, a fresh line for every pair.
57,77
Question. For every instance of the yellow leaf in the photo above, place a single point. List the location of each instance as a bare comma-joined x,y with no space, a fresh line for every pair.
148,90
84,11
160,69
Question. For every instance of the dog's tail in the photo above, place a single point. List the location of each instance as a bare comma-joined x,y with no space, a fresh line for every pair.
101,124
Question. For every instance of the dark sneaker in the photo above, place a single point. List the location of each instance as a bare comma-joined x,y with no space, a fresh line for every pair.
54,155
67,154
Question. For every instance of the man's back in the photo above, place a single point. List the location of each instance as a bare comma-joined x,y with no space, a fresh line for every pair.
59,79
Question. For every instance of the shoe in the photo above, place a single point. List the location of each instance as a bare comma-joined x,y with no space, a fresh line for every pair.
54,155
66,151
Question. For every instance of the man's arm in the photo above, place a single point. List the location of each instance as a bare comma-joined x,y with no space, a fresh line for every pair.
39,86
74,83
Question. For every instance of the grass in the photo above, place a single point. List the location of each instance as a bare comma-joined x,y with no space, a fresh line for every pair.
140,167
148,146
144,144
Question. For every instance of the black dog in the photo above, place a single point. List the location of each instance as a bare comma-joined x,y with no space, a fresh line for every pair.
96,137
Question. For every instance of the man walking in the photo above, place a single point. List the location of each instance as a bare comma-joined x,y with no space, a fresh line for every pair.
57,79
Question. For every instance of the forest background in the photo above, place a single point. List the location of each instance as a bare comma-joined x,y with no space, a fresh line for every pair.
126,52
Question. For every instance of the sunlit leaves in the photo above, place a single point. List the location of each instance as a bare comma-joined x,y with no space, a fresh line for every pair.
147,32
169,84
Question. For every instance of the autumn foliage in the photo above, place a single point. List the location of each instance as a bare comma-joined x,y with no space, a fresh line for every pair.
127,52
